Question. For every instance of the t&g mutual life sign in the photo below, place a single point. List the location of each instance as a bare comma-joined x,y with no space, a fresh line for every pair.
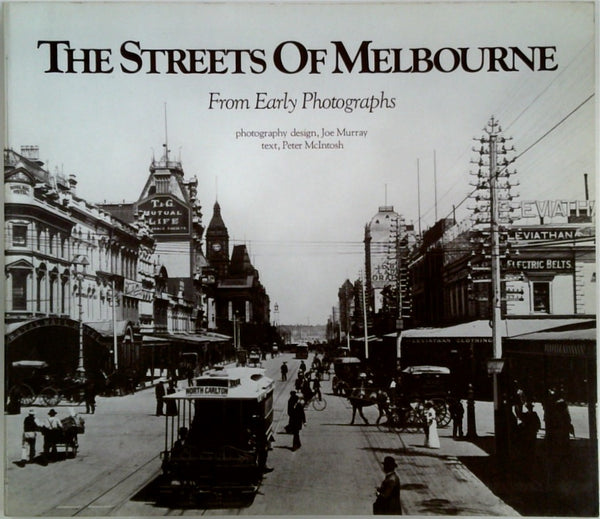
164,214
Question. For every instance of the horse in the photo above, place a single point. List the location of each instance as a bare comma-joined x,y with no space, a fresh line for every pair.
364,397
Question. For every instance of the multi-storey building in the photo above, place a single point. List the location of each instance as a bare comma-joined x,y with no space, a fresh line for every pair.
72,271
547,281
237,302
387,241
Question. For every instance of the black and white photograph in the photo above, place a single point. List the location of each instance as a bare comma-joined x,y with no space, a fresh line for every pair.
300,258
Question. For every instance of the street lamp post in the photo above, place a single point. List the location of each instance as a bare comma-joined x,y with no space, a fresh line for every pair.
82,261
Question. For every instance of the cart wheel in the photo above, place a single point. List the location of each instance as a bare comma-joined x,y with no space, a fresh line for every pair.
50,396
442,414
27,396
319,405
414,420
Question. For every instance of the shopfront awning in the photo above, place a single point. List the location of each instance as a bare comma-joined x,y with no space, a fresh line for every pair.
566,341
105,328
482,331
192,338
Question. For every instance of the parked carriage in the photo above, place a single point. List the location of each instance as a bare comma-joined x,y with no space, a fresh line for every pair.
33,382
216,446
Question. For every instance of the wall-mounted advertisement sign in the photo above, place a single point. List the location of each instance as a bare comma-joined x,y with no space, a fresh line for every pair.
540,264
556,208
164,214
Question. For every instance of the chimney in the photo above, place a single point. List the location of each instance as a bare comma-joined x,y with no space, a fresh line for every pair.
32,153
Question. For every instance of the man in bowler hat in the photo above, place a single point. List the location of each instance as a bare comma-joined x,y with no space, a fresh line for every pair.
388,493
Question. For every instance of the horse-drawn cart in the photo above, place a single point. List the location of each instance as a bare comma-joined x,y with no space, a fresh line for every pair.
421,383
346,377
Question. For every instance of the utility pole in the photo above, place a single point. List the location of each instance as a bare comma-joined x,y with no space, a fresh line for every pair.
364,300
114,320
493,209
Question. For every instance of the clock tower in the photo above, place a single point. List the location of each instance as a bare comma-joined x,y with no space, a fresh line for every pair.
217,243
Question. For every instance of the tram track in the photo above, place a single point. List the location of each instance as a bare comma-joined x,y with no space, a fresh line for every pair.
102,504
111,489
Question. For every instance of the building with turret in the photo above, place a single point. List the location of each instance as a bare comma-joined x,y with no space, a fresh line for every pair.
238,303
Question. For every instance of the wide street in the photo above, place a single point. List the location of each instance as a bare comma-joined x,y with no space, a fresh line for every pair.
335,472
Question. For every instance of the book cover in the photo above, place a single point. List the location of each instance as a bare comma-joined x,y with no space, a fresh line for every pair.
406,184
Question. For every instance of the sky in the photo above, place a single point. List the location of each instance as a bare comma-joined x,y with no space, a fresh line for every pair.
302,212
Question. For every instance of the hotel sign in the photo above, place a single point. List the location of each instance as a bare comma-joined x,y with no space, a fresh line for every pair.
164,214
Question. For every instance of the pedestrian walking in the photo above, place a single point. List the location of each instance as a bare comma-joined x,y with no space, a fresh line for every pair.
457,412
297,420
388,493
89,393
51,429
432,439
284,371
190,375
30,428
159,392
171,404
290,409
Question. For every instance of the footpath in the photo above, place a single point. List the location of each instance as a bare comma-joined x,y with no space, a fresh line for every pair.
435,481
464,478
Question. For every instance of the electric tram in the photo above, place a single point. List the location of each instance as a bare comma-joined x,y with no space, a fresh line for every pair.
217,442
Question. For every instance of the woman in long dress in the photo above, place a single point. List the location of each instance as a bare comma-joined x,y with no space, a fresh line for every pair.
432,439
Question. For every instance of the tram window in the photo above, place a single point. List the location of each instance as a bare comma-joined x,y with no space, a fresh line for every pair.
222,423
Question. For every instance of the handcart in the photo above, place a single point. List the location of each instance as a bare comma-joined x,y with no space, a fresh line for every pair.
66,438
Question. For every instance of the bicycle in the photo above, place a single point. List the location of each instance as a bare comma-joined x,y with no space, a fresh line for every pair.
319,404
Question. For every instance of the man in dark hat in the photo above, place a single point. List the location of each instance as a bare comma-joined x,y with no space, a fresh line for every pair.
159,392
51,431
290,408
297,420
388,493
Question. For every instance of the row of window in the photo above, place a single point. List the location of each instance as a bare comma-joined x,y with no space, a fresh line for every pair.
20,293
107,259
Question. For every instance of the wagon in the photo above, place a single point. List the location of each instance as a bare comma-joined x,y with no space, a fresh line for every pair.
347,371
421,383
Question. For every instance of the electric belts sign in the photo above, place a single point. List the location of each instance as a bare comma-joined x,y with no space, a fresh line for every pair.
164,214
